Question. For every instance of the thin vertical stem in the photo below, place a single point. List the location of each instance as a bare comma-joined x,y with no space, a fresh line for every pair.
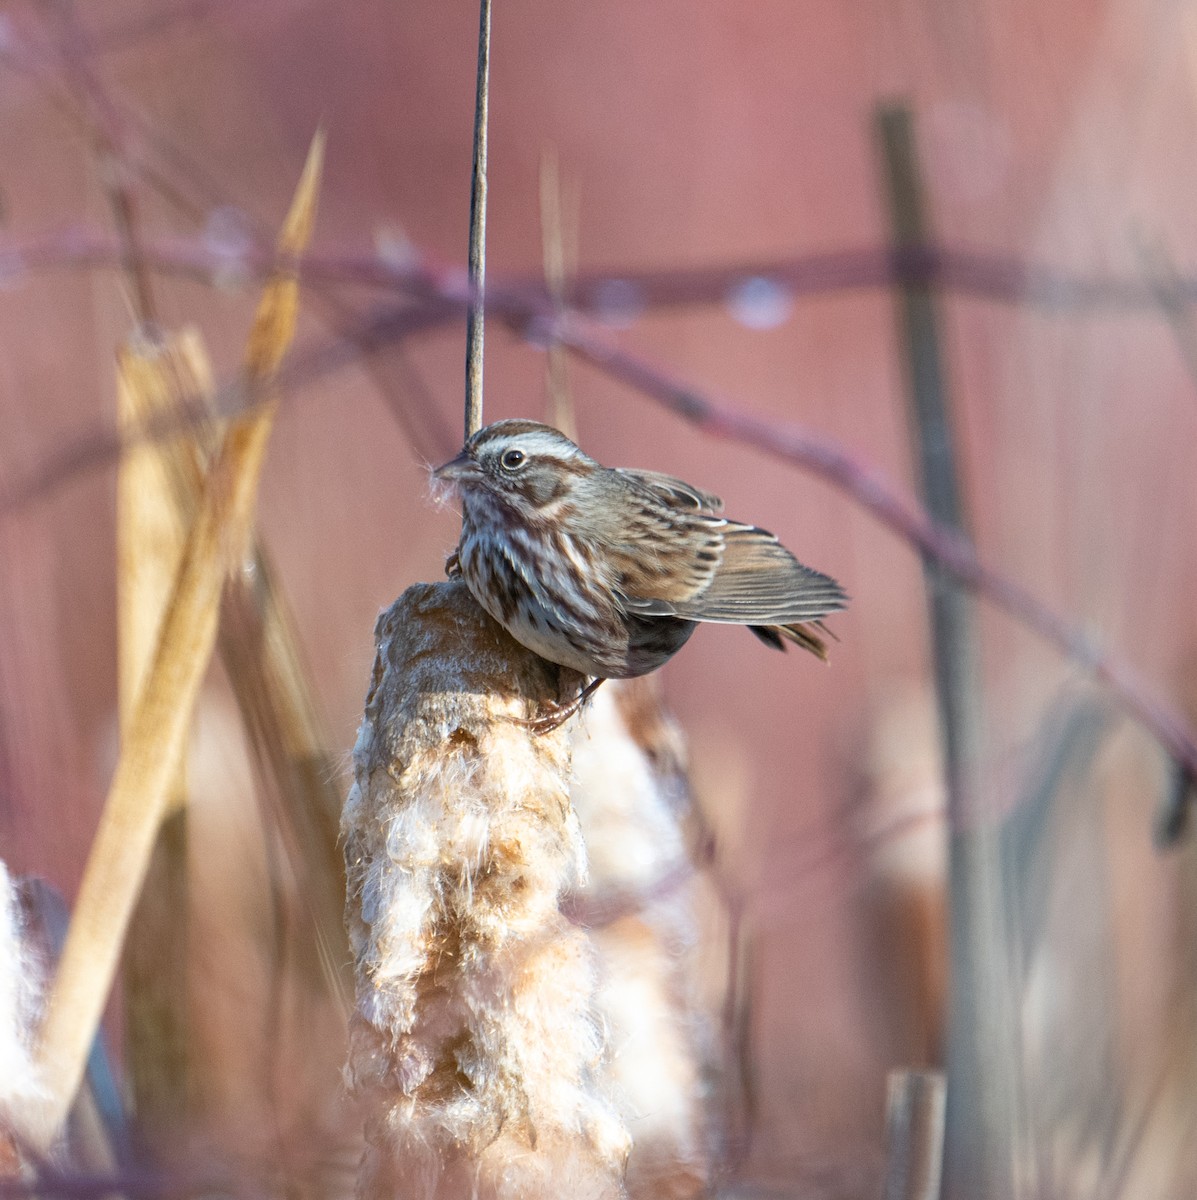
982,1029
552,238
474,323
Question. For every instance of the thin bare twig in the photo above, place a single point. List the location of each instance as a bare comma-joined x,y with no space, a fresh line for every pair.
878,497
108,134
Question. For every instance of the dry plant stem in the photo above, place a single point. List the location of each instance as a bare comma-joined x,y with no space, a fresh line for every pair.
1174,811
151,750
475,1047
151,533
260,651
552,242
110,152
983,1081
477,310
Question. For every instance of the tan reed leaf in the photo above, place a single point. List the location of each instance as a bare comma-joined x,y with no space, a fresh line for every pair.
154,376
278,310
475,1047
137,795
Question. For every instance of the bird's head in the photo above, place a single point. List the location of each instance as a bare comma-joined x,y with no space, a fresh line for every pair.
525,466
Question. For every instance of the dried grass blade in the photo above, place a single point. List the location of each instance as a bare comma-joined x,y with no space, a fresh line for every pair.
137,796
153,374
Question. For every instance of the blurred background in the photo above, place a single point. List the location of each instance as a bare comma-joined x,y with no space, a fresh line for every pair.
711,160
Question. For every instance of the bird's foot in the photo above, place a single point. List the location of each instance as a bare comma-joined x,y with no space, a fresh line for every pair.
553,716
452,566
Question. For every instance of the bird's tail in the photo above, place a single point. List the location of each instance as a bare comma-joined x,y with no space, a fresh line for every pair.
802,633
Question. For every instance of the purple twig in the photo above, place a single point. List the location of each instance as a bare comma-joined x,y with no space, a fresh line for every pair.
956,271
951,550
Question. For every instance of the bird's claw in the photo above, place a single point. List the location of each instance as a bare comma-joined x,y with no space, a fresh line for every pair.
558,714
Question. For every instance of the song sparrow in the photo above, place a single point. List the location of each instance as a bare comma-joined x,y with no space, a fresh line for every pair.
608,570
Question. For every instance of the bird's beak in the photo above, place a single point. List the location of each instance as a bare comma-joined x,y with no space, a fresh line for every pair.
456,469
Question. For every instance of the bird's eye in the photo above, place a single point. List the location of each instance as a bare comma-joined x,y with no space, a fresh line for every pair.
512,460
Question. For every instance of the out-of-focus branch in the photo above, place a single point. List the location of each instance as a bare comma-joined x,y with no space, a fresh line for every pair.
876,495
437,296
109,139
956,270
982,1076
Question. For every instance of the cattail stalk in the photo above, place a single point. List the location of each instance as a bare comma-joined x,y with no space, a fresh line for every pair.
475,1045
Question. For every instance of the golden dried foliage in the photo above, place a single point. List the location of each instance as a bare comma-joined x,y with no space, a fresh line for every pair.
154,739
156,377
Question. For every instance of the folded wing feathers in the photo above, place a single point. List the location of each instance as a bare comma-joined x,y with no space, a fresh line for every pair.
675,492
758,582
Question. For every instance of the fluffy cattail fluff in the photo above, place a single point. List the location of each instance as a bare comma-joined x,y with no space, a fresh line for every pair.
20,993
475,1046
630,794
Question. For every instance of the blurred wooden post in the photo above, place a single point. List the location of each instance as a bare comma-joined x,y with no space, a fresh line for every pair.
983,1046
914,1114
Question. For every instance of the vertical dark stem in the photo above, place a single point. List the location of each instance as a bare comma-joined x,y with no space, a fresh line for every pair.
982,1040
474,324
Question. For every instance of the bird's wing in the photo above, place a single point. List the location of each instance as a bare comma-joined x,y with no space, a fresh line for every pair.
756,581
674,492
669,542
